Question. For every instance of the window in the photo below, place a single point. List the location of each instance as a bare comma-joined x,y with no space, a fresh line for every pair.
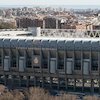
45,64
60,64
13,62
77,65
29,63
94,66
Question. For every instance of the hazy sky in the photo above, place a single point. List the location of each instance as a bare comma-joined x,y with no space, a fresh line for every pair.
49,2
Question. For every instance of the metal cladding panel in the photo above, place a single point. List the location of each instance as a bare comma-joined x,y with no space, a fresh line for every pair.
6,43
29,43
1,42
53,65
77,45
53,44
95,45
69,45
6,63
21,43
21,64
37,43
45,43
61,45
14,43
86,45
86,64
69,66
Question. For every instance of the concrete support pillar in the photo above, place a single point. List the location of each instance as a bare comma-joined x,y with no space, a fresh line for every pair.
2,57
66,83
24,59
56,61
65,62
27,82
12,82
42,81
51,82
56,23
90,64
82,68
58,84
99,69
10,59
41,60
74,84
82,85
19,80
17,58
73,61
43,24
35,81
32,59
99,85
92,86
5,80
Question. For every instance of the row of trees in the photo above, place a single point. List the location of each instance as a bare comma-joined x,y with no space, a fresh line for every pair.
37,94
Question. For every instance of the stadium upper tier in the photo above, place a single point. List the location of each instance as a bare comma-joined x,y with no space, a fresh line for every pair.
50,38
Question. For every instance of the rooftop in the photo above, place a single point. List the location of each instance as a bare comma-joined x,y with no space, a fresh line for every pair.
38,33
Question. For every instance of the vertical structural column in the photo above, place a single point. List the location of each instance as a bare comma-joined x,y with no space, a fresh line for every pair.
92,86
90,72
43,23
74,84
57,72
65,69
19,80
49,66
35,80
51,82
41,67
32,60
24,59
2,57
33,67
49,62
82,68
17,57
74,88
57,61
58,87
99,69
27,84
56,23
5,80
10,58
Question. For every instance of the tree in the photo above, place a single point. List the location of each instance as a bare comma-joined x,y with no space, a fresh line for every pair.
4,25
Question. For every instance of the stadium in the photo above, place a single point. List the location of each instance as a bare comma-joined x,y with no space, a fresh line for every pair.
50,58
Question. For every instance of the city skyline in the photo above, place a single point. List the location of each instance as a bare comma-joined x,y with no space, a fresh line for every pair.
49,2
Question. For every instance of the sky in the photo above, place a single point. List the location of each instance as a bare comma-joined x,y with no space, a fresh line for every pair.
49,2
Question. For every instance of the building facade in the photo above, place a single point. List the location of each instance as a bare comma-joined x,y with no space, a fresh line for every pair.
58,63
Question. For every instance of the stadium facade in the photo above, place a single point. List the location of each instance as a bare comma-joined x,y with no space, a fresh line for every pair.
30,58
